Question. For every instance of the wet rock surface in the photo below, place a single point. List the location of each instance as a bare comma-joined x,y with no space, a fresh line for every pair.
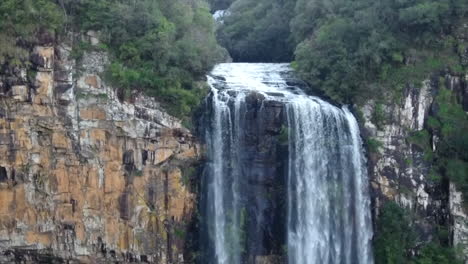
261,173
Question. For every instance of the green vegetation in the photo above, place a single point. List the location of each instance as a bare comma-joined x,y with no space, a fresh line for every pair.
283,137
373,145
25,20
161,47
258,30
378,116
188,174
448,124
394,235
396,238
421,139
351,50
361,49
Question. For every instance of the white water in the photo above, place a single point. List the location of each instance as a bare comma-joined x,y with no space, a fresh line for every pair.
219,15
327,190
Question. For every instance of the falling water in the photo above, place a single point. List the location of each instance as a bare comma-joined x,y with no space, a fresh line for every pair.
326,207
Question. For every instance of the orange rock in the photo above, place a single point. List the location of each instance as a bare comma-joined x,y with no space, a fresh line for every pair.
62,181
113,152
60,140
114,180
80,231
162,155
20,198
23,139
98,136
47,54
92,178
65,186
29,216
41,110
44,92
93,113
124,238
178,195
188,153
44,239
93,81
64,213
112,230
93,199
7,197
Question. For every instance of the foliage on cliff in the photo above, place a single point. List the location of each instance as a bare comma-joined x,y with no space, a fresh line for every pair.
396,239
353,44
450,124
447,130
342,47
22,21
159,46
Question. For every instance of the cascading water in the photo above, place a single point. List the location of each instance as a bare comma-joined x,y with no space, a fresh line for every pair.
286,173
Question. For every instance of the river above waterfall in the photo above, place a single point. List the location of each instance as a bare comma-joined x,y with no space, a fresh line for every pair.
285,180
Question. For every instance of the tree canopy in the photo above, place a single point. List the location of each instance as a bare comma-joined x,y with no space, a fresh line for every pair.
340,46
161,47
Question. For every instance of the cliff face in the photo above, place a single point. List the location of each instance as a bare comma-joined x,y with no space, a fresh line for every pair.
84,176
255,161
398,170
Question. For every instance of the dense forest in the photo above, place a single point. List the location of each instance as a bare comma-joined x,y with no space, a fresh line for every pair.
161,47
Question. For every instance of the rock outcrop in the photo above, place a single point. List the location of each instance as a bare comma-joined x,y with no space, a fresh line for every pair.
85,177
398,169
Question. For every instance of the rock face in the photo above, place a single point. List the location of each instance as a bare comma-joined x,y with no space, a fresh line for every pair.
85,177
399,171
255,161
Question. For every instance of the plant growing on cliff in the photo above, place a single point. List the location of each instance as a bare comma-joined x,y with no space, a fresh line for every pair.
396,241
373,145
21,23
450,124
379,116
395,236
161,47
283,137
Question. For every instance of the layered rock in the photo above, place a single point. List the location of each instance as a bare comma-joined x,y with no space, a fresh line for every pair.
84,176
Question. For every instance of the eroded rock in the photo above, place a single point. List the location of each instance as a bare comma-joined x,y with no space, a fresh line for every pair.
85,177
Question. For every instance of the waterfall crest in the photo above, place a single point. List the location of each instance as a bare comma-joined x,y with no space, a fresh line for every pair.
286,173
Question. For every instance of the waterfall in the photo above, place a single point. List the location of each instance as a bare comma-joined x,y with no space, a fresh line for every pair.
285,175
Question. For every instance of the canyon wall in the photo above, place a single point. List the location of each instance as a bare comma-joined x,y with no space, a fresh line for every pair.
84,176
